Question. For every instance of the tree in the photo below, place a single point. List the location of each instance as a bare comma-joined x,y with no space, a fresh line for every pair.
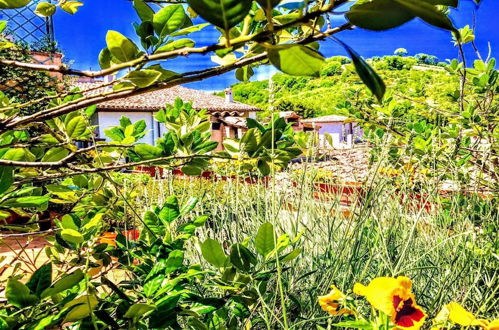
39,148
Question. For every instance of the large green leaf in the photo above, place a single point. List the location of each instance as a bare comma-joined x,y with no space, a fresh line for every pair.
80,308
122,48
45,9
169,19
213,253
138,310
241,257
378,15
372,80
19,294
11,4
76,127
143,10
428,13
65,283
6,178
296,60
28,201
143,78
222,13
41,279
71,7
72,236
177,44
170,210
146,151
174,261
55,154
105,58
265,239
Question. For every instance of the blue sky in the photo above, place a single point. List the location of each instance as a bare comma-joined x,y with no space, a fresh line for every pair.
82,36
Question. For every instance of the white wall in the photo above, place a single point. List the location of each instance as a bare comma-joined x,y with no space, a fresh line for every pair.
109,119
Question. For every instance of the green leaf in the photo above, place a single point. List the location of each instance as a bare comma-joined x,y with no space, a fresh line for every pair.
122,48
367,74
153,223
65,283
169,19
222,13
265,239
170,210
72,236
45,9
6,178
241,257
82,308
427,13
105,59
19,294
244,73
11,4
200,221
28,201
291,255
213,253
138,310
189,30
263,167
147,152
189,205
71,7
3,26
41,279
55,154
143,78
191,170
165,74
378,15
174,261
177,44
143,10
296,60
76,127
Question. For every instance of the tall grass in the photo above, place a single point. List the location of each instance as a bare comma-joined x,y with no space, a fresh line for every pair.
447,244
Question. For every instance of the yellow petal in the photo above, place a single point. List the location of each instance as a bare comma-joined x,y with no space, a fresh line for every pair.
458,315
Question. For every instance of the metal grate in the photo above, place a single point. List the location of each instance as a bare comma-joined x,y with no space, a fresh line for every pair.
25,26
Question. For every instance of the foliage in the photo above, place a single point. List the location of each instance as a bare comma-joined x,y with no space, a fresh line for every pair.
21,85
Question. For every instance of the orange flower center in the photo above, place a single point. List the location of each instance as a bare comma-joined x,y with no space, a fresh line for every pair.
406,313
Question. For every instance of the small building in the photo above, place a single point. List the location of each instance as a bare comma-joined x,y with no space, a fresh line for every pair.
227,116
338,127
297,122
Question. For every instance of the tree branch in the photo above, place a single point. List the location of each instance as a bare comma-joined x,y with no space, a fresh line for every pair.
174,81
236,43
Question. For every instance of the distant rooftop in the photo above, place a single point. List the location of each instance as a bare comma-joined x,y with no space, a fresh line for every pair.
326,119
156,100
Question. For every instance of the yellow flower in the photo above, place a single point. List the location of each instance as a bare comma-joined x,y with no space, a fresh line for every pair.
393,296
494,325
333,303
458,315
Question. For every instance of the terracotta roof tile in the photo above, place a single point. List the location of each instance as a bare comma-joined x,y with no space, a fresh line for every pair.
153,101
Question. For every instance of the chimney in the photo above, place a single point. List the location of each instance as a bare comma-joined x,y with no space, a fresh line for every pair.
228,96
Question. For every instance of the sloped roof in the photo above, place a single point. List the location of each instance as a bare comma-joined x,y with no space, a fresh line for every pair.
155,100
326,119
